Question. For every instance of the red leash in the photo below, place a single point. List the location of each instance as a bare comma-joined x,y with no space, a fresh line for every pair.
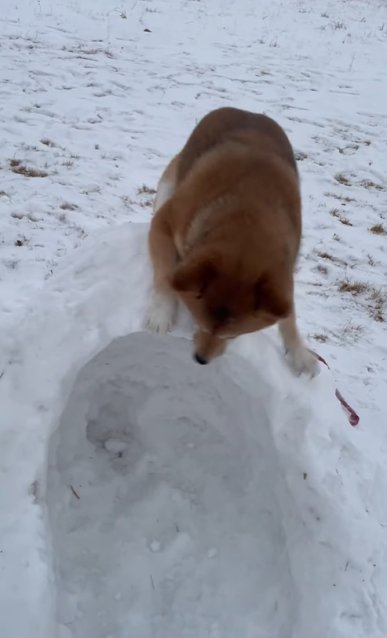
353,418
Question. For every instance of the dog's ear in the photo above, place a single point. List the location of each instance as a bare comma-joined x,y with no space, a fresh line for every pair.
274,296
194,275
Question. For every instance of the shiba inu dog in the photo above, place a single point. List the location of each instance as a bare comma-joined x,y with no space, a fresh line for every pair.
226,233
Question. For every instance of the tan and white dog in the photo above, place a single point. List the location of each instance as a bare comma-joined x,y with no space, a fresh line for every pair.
226,233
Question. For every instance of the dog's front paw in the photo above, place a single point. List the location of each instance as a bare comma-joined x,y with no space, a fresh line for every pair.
303,361
161,313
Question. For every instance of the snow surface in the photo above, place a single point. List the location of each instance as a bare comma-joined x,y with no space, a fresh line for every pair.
142,495
179,502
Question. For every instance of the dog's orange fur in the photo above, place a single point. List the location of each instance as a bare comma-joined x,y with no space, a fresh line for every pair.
226,234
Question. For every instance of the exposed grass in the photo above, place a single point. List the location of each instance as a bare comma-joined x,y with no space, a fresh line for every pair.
127,201
321,338
68,206
96,51
376,297
342,198
146,204
370,185
352,147
351,332
47,142
378,229
327,256
19,168
145,189
342,179
353,287
342,219
322,269
338,25
379,299
21,241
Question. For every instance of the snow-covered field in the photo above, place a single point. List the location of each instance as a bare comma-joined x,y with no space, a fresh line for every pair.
140,495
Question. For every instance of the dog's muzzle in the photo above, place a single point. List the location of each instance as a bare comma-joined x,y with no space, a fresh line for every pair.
200,359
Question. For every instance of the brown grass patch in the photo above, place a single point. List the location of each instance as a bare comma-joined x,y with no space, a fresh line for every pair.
352,147
68,206
341,179
378,229
354,287
370,185
145,189
19,168
342,219
322,269
342,198
96,51
147,203
47,142
127,201
376,297
321,338
326,256
351,332
379,299
335,260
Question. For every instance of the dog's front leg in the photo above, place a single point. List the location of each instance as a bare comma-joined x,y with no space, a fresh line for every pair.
161,311
301,360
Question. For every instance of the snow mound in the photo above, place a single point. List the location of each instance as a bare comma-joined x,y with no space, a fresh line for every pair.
150,497
175,521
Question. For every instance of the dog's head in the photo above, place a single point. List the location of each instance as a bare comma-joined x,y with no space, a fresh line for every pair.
228,298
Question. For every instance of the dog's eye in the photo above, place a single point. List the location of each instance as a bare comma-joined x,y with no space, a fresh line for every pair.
221,313
201,291
259,293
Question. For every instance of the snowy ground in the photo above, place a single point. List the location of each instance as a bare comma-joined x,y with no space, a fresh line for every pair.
211,527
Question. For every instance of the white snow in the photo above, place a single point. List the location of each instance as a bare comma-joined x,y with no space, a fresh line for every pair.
142,495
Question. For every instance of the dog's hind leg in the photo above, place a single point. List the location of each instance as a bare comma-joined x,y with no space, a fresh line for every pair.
167,184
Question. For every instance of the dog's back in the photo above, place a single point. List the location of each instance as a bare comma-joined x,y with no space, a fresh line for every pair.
237,165
230,124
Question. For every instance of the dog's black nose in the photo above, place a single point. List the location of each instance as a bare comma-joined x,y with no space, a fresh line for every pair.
200,359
